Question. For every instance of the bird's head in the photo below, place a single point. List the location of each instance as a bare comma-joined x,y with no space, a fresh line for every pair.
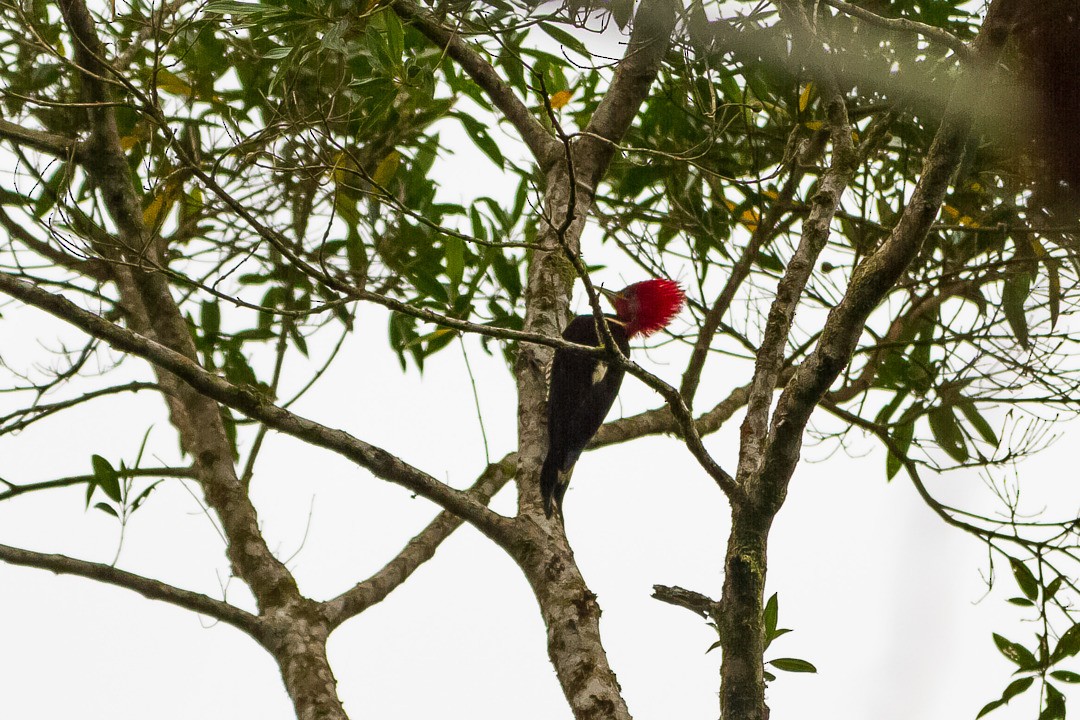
647,306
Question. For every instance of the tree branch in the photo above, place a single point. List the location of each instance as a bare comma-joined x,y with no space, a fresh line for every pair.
153,589
762,234
905,25
569,609
251,403
815,234
422,547
148,299
695,602
27,416
654,24
873,278
46,142
16,490
419,550
543,147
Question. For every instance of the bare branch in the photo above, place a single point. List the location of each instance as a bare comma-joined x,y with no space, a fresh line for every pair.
249,402
46,142
24,417
418,550
695,602
16,490
152,589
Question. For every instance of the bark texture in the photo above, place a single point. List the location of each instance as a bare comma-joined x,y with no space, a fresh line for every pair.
297,643
567,605
771,446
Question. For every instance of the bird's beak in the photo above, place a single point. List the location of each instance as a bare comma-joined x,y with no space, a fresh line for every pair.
611,295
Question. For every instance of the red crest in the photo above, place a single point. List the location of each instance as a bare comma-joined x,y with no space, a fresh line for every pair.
648,306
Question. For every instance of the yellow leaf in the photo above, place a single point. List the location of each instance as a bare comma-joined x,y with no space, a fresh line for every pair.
1037,246
813,125
386,168
750,219
344,168
771,194
804,96
127,142
173,84
728,204
560,99
157,209
952,212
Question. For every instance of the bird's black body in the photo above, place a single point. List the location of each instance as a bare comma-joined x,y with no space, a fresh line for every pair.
583,389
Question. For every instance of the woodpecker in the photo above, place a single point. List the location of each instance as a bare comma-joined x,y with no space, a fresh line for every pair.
583,387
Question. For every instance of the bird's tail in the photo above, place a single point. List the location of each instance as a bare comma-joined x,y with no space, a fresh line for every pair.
551,485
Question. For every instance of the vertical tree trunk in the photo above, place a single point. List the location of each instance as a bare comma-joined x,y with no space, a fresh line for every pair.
742,631
296,636
572,617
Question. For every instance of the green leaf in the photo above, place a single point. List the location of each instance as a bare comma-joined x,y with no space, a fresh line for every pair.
395,35
947,433
1054,291
1017,653
106,477
107,509
233,8
770,616
508,273
1015,688
1013,296
237,370
564,38
971,412
991,706
298,339
792,665
1025,579
885,414
1022,602
210,319
142,447
278,52
1052,588
1068,644
902,434
713,647
1055,704
479,135
141,497
1065,676
455,261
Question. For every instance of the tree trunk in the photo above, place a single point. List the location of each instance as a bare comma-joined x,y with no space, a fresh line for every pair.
742,630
